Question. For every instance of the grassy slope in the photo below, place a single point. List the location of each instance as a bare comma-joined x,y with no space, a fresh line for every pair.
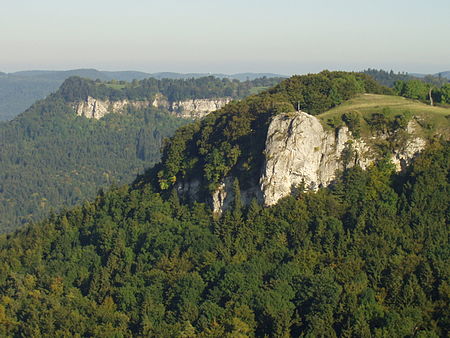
436,118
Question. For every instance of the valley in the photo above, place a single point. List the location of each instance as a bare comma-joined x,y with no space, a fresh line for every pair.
91,134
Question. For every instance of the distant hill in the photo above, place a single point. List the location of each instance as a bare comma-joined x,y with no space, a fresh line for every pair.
445,74
386,78
20,90
51,157
238,76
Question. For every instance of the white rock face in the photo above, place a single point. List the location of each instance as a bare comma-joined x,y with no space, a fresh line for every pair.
198,108
299,152
92,108
95,108
402,157
160,101
223,197
189,109
220,202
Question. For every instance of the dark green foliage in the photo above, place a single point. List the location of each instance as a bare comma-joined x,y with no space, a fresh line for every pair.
77,88
368,257
18,93
49,157
317,93
387,123
444,94
20,90
420,90
387,79
413,89
353,122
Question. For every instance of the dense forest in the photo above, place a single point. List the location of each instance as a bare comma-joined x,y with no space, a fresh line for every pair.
76,88
421,90
413,87
386,78
49,157
366,257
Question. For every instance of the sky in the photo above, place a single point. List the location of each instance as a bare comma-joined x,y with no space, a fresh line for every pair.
284,36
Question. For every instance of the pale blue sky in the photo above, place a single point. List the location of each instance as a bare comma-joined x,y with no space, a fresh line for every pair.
283,36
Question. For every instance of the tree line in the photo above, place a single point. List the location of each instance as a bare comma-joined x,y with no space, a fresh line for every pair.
77,88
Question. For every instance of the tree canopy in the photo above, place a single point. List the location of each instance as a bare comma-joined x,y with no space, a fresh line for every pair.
366,257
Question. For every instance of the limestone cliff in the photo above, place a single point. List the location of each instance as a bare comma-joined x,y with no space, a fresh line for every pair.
96,108
197,108
189,109
299,152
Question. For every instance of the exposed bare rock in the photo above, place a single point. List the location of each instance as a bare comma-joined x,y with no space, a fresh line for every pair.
189,109
160,101
414,145
221,197
403,157
96,108
197,108
299,152
224,195
92,108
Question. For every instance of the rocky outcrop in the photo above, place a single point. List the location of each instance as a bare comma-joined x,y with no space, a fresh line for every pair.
160,101
197,108
403,156
92,108
301,154
189,109
96,108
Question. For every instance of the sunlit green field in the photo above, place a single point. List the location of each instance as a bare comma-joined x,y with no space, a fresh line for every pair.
435,118
370,103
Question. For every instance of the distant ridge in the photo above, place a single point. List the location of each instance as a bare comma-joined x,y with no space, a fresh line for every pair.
445,74
94,74
19,90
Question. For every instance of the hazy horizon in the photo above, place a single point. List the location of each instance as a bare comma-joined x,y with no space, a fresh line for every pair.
285,37
220,72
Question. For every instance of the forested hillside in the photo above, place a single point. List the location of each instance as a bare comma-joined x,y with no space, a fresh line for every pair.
76,88
387,78
50,158
367,257
20,90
